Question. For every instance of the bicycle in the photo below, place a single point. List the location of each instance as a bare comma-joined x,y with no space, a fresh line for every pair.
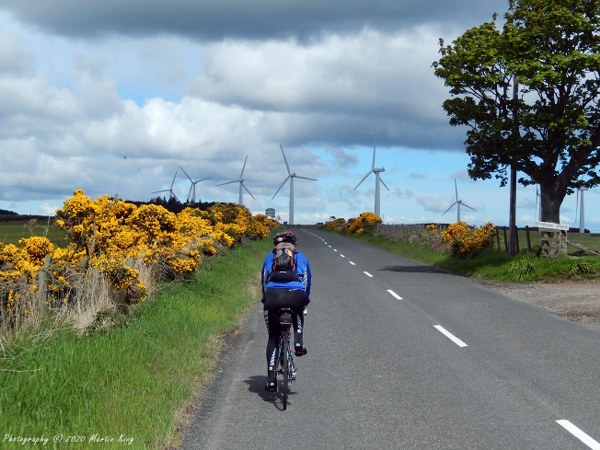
287,358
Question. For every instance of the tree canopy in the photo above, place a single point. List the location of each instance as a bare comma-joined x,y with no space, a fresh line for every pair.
529,96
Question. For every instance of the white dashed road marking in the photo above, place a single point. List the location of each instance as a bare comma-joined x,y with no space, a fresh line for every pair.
393,294
582,436
450,336
368,274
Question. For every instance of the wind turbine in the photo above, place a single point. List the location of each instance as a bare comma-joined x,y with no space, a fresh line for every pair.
241,181
378,180
170,190
291,176
581,211
458,202
192,191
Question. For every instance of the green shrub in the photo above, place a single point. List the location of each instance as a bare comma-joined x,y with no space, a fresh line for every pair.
522,268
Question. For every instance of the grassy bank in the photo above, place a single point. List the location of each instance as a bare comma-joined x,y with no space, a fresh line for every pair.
127,383
493,264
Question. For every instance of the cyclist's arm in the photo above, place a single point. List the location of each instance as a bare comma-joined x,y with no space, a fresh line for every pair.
306,276
265,272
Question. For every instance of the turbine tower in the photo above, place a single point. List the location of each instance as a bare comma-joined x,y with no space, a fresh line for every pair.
458,203
581,210
241,181
378,180
170,190
192,191
291,176
538,205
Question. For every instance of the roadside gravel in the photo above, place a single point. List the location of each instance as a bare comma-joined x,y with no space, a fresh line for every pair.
579,301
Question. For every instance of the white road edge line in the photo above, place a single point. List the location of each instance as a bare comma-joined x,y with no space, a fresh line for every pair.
450,336
393,294
368,274
579,434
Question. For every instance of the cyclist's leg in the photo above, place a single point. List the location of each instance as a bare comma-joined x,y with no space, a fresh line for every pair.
298,329
273,330
300,300
272,302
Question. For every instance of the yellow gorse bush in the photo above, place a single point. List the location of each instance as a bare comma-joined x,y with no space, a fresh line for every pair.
335,224
365,223
113,238
464,241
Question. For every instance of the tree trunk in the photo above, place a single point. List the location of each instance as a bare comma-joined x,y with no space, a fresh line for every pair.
550,201
512,216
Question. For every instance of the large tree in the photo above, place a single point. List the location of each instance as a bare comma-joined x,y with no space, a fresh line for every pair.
529,96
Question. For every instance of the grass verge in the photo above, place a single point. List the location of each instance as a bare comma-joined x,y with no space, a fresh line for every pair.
495,265
127,384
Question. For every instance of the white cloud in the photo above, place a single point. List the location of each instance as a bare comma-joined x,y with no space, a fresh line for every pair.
14,58
370,75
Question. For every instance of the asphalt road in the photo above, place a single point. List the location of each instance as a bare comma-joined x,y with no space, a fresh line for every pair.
401,356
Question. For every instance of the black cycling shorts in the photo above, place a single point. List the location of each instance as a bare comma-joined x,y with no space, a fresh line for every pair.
277,298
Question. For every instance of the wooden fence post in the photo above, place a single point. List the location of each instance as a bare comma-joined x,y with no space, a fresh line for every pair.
43,281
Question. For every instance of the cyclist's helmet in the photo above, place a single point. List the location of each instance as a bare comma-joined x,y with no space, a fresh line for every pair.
284,236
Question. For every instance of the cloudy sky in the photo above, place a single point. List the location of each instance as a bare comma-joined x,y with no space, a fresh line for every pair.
115,97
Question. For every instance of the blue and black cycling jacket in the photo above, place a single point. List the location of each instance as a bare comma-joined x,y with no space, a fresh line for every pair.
302,268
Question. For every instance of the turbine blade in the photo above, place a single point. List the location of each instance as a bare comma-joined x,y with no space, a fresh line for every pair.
455,189
244,167
244,186
288,177
382,182
364,178
455,203
373,163
186,174
173,182
285,160
306,178
229,182
203,179
464,204
374,147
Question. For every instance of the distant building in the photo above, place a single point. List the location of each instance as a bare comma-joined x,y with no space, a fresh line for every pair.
270,212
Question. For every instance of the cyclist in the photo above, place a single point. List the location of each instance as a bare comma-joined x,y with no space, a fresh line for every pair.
293,294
